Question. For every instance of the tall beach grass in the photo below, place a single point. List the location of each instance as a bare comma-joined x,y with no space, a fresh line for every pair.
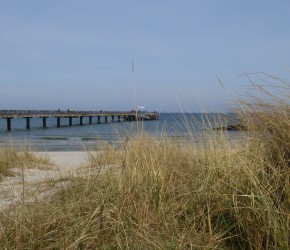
18,157
167,194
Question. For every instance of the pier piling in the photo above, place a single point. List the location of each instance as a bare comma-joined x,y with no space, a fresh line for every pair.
70,114
58,122
44,122
8,123
27,122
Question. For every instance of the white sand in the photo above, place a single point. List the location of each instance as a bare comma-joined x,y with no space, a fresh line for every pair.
67,160
30,185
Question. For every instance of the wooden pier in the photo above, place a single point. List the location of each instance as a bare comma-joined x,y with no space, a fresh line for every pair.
101,116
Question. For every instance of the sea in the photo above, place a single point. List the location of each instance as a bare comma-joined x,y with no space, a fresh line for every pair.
178,126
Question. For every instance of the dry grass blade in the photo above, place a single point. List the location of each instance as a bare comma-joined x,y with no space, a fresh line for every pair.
174,194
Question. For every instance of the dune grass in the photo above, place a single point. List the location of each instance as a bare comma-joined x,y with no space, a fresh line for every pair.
8,158
14,157
167,194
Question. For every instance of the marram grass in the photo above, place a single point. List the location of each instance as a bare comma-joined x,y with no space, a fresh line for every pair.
14,157
166,194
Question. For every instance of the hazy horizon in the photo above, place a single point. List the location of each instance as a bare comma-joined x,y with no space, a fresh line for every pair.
78,54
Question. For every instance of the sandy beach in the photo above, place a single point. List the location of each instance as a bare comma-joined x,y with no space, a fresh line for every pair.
67,160
38,182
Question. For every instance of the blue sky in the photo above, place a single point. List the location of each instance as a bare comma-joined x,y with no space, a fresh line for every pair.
77,53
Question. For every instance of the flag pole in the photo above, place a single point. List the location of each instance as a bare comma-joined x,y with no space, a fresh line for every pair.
134,89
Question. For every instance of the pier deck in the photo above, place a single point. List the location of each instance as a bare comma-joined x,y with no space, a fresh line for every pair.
69,114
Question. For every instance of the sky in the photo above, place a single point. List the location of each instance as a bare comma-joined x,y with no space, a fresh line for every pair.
78,54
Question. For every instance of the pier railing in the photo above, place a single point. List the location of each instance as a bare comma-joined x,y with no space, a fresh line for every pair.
20,113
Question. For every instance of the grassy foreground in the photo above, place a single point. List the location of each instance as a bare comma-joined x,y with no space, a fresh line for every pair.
165,194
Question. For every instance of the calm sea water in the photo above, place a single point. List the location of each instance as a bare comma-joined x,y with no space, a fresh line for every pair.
71,138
